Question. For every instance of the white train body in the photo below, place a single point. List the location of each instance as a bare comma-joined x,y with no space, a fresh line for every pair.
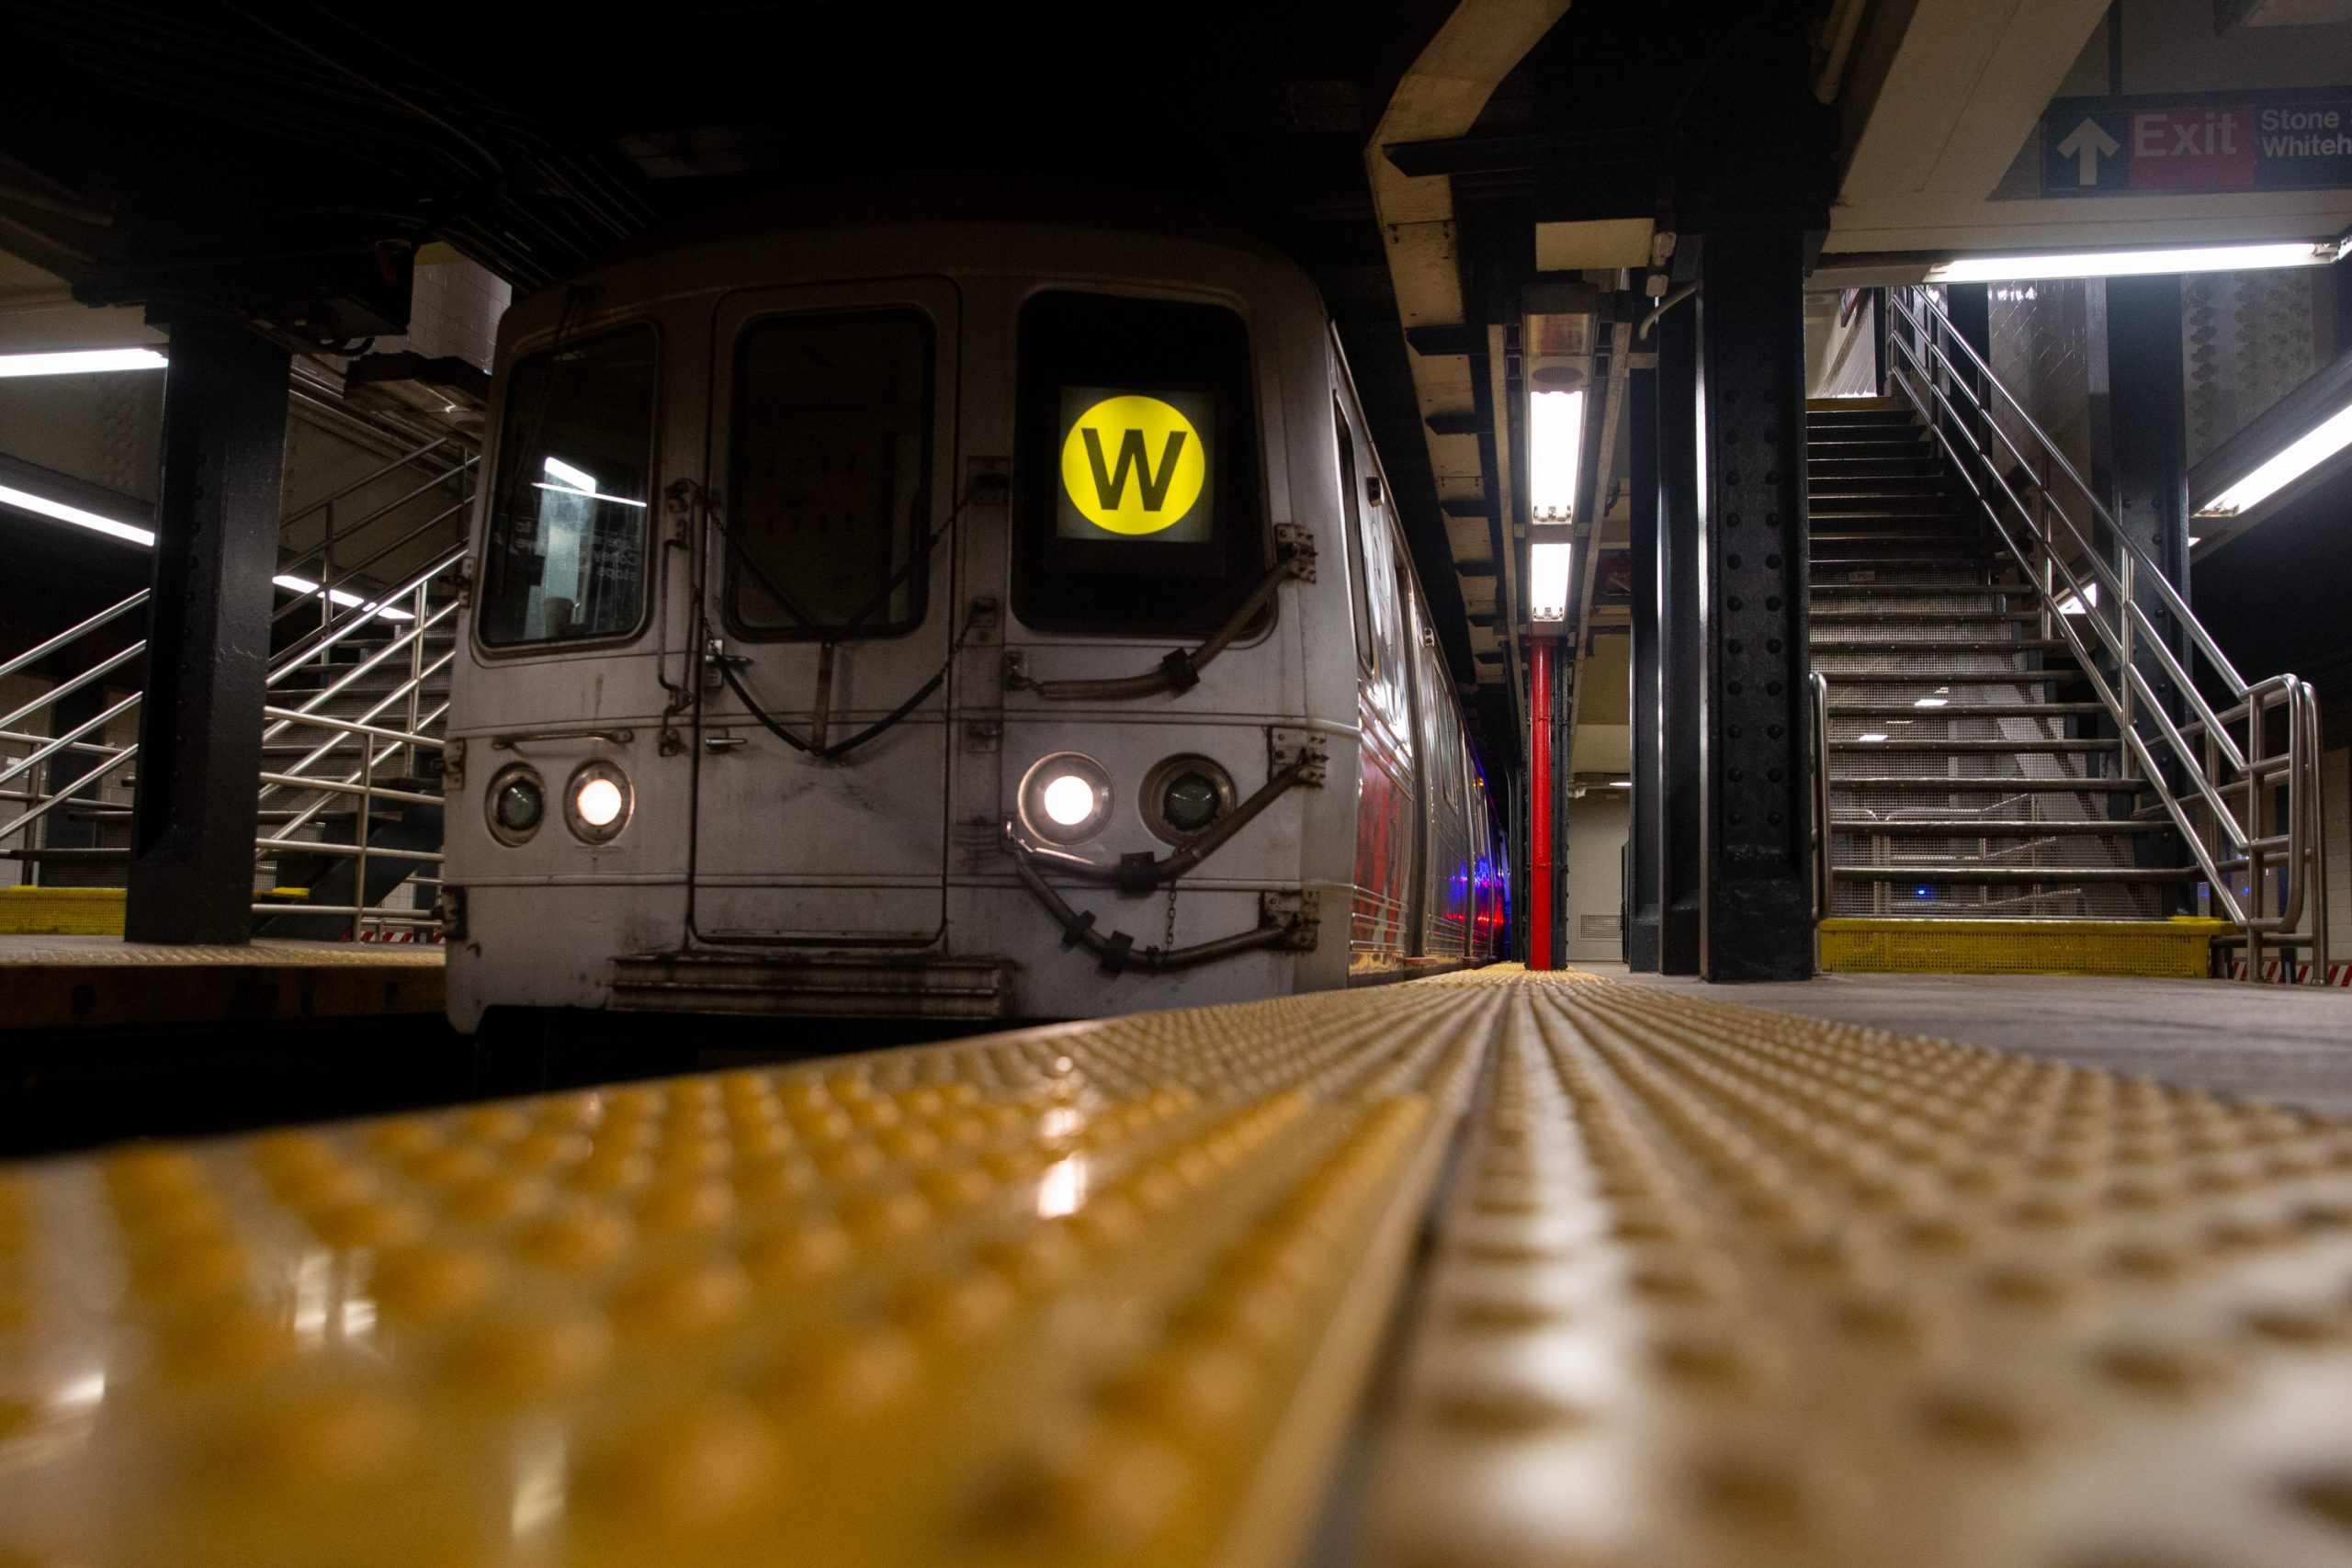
858,449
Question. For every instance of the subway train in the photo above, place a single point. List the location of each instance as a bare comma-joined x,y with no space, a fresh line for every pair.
907,615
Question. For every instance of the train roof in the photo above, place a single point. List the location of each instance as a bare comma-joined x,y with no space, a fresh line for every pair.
933,202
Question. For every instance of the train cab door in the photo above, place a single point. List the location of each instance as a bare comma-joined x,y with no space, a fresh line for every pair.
829,598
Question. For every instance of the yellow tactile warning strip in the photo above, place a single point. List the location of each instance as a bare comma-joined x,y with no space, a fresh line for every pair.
1703,1286
1716,1286
2181,947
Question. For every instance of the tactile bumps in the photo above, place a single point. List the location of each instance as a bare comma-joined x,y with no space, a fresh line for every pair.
1714,1286
1046,1299
1702,1285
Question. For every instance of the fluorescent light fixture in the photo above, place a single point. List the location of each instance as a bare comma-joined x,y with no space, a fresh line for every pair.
28,501
2079,604
1932,703
2298,457
349,600
1547,579
1555,451
2134,263
130,533
1874,735
80,362
1620,784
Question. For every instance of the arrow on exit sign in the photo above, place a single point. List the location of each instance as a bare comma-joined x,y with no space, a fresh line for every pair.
2087,144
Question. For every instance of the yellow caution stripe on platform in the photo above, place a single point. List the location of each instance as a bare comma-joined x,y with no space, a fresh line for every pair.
2179,948
1702,1285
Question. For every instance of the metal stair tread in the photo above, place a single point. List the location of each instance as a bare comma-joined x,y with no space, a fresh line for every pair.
1976,828
2038,745
1942,645
1969,784
2003,875
1899,709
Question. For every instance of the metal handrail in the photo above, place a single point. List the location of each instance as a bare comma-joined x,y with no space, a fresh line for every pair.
2211,787
2174,602
413,722
1823,877
104,617
312,644
2120,584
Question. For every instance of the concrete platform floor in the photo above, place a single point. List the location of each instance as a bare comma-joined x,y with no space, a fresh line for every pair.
2283,1044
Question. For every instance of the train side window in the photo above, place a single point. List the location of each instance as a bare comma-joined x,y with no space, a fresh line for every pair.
1391,629
1139,508
1351,523
831,447
565,559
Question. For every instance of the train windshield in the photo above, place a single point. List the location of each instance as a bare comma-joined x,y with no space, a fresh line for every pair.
1140,509
832,444
569,519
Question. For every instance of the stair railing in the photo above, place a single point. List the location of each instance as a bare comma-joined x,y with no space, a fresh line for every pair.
2213,772
400,721
1824,878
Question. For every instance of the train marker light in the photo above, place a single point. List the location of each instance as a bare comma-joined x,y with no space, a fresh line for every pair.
597,803
1184,796
517,803
600,802
1068,799
1064,798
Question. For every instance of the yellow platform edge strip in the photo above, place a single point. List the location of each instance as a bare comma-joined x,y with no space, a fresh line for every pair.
60,911
1555,1270
2179,948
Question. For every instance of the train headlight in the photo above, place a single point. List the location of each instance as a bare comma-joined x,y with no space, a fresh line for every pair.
517,803
597,802
1183,795
1065,797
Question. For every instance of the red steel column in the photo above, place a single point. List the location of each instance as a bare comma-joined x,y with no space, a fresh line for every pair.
1539,804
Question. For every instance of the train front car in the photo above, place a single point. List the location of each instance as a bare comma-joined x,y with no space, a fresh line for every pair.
928,620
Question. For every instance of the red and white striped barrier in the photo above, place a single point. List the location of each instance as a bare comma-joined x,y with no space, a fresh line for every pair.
2274,972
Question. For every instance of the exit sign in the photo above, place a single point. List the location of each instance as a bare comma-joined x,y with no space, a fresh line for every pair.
2198,141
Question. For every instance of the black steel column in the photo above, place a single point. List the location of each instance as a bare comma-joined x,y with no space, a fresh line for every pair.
2140,422
1880,353
2139,464
1970,306
1758,920
1682,640
216,548
1642,900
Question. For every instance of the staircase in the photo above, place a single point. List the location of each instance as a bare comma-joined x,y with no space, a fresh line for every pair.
406,691
1972,772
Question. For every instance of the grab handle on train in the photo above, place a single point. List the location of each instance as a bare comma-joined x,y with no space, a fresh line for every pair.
1116,952
1180,669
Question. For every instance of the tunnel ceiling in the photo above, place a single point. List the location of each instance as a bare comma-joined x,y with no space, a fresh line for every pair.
283,157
